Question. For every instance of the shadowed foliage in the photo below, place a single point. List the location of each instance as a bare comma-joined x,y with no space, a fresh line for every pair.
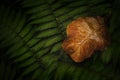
31,34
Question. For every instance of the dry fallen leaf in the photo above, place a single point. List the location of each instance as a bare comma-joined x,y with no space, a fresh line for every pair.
84,36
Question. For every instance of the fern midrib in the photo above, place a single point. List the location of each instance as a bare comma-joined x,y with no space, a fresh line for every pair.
28,46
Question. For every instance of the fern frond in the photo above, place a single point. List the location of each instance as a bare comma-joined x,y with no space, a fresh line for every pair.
33,32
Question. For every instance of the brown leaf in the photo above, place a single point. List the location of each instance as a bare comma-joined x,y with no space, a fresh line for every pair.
84,36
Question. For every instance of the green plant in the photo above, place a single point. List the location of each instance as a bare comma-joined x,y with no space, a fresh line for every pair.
32,31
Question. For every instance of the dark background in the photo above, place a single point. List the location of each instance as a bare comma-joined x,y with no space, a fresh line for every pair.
32,31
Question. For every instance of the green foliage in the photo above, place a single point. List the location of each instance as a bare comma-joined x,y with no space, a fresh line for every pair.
31,35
